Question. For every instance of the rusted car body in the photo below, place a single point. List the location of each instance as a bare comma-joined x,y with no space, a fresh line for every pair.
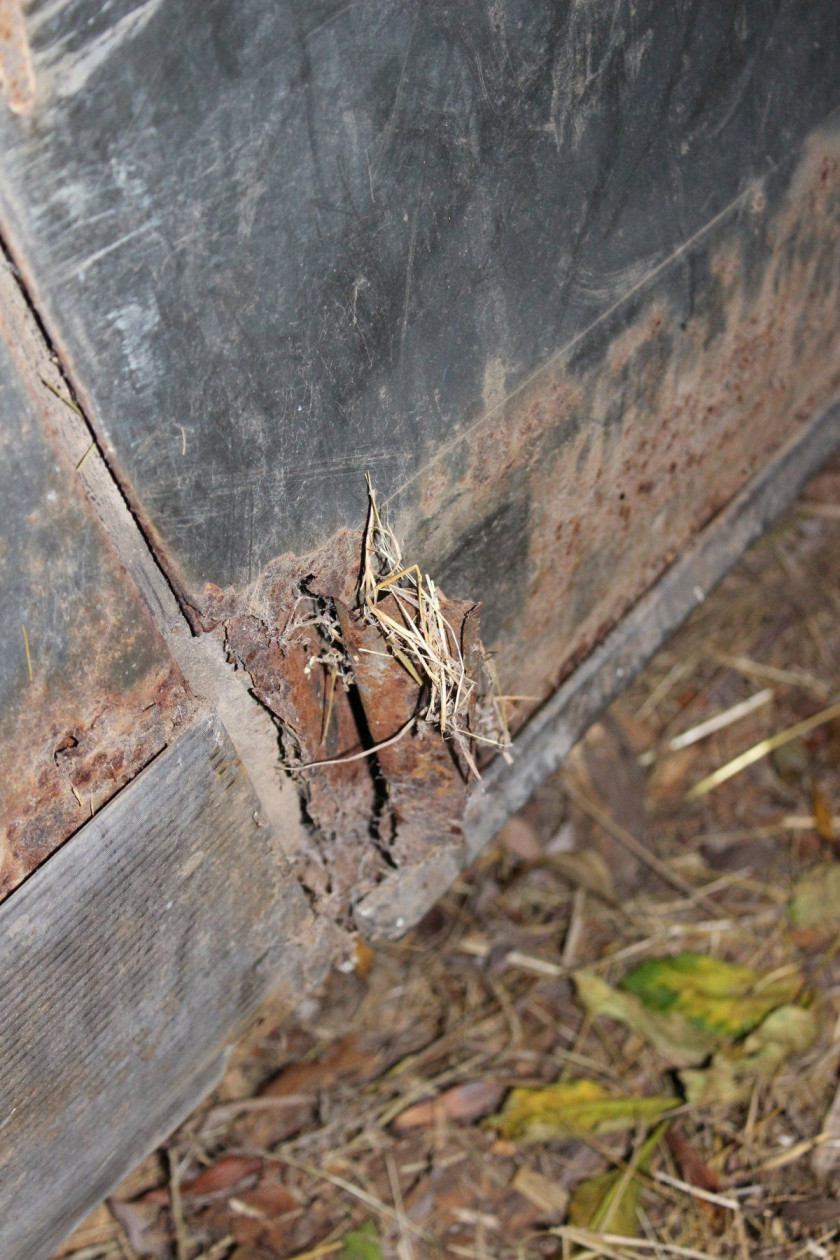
562,278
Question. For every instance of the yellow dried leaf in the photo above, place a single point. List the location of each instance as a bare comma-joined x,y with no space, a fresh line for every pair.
681,1043
571,1107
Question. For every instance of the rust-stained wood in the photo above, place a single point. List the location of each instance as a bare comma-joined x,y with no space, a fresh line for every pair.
127,963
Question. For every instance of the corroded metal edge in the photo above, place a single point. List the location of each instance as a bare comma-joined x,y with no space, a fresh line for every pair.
200,659
128,962
541,746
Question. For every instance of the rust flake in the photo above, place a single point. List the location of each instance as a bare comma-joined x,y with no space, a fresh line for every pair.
16,74
378,812
71,749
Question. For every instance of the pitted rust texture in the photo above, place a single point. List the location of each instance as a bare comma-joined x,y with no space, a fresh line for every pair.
263,635
89,693
569,500
379,812
72,749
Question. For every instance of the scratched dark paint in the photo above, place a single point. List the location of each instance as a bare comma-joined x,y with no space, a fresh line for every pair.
322,238
105,697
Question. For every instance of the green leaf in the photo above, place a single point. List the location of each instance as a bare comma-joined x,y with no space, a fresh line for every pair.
362,1244
714,996
680,1042
733,1071
611,1202
571,1107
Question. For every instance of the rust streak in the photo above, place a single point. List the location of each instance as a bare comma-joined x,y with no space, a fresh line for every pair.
16,74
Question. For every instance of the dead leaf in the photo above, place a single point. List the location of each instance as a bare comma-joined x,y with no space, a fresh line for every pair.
813,1213
815,905
223,1175
670,1033
732,1073
141,1222
271,1198
343,1060
568,1108
544,1193
611,1202
585,868
689,1164
468,1101
521,839
696,1172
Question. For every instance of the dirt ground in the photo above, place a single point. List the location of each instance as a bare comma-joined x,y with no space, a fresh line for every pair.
381,1121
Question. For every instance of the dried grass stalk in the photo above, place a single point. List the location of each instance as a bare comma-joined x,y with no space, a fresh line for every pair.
425,644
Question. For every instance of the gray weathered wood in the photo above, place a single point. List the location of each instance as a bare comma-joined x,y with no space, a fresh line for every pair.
127,963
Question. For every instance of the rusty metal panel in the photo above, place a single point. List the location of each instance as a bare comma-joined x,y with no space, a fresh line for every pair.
564,278
89,693
567,502
281,244
127,964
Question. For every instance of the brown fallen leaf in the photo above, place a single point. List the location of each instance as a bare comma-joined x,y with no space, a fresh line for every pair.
468,1101
343,1060
519,838
696,1172
143,1229
812,1212
272,1199
223,1175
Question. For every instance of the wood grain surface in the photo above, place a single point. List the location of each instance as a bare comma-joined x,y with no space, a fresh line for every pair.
127,963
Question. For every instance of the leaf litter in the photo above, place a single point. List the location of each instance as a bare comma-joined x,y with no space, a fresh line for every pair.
619,1033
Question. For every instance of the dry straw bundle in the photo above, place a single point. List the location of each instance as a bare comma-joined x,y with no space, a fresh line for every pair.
425,644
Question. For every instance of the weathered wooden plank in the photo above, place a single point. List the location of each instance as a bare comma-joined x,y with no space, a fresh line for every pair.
127,963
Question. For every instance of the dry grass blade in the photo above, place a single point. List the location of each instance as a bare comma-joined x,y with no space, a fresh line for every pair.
182,1244
721,720
404,1222
423,641
761,750
605,1244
